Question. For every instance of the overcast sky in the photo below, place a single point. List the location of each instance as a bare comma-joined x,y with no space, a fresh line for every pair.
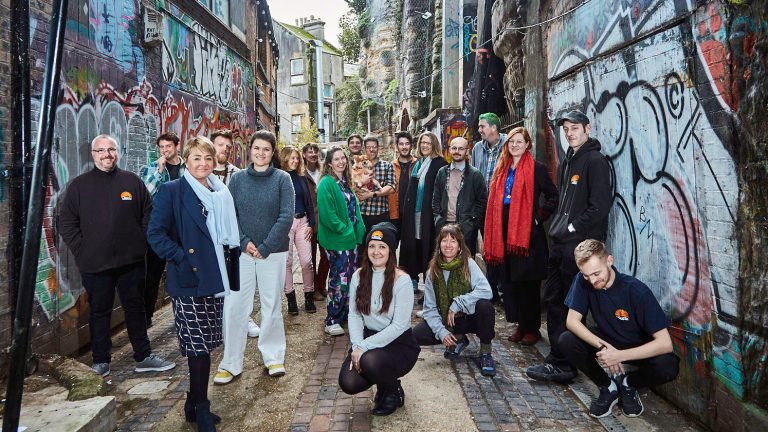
330,11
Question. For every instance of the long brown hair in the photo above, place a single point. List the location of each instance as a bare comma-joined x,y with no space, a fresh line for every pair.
504,157
328,169
364,287
453,231
285,155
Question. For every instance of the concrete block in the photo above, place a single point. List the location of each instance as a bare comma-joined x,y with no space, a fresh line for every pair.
48,410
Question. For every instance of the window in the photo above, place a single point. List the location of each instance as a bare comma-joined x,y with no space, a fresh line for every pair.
297,71
228,11
296,123
328,91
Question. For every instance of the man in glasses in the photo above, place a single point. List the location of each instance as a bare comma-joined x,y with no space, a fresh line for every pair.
103,220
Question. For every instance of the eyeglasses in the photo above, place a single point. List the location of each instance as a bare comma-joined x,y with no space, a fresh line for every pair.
102,151
458,149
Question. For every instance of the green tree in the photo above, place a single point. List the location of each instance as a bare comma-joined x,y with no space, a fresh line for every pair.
349,39
356,5
308,133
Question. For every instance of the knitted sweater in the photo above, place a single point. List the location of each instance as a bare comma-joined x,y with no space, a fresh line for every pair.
335,231
264,202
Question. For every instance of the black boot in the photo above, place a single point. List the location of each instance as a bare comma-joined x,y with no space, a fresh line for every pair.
390,401
400,393
189,411
293,308
309,302
204,417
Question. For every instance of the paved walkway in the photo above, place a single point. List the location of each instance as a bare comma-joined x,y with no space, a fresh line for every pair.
440,394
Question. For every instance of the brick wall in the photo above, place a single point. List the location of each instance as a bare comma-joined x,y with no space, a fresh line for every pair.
662,83
197,79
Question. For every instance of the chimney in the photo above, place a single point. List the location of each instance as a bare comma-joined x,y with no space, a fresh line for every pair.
315,26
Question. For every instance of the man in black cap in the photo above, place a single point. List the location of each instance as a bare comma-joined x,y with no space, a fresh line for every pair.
586,195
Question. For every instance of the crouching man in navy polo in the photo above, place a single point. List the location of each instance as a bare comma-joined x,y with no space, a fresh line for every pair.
630,347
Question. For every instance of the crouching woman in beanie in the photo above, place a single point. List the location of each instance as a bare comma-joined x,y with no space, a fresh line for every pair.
194,227
457,301
380,305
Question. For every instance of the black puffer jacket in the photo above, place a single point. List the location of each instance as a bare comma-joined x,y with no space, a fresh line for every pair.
586,195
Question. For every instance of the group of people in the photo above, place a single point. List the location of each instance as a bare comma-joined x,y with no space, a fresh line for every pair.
219,233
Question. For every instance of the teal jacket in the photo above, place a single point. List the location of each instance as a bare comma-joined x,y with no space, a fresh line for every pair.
334,230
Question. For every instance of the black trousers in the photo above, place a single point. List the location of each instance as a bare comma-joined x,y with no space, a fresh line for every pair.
522,304
561,269
650,372
155,269
480,323
371,220
380,366
101,297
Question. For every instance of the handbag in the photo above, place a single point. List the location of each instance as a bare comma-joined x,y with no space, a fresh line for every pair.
232,264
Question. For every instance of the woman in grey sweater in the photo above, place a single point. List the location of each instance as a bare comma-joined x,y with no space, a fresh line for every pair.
380,305
264,200
457,301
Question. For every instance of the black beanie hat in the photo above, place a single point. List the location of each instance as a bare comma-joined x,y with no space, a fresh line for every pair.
385,232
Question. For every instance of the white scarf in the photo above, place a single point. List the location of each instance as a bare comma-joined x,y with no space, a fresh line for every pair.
221,220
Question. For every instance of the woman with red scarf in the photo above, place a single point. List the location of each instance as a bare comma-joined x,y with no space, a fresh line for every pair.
515,240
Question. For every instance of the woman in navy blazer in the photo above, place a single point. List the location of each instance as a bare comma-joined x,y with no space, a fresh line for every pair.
194,227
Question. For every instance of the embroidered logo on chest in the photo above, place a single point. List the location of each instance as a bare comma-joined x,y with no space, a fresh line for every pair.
575,179
126,196
622,315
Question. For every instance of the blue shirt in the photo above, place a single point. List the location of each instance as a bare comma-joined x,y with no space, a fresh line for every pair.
627,314
508,186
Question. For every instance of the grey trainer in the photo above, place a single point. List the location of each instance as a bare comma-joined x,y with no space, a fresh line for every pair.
101,368
154,363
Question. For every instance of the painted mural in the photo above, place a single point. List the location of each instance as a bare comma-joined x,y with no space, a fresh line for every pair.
656,107
107,89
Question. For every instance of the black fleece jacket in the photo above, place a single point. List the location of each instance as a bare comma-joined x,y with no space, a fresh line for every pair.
586,195
103,219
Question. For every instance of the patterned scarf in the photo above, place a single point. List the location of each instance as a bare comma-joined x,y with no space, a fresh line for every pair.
520,211
456,286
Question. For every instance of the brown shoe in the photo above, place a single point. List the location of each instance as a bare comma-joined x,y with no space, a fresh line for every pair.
318,296
516,336
530,338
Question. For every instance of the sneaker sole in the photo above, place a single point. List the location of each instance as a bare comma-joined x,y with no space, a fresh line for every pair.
608,412
642,409
223,381
155,369
277,373
545,377
488,374
252,335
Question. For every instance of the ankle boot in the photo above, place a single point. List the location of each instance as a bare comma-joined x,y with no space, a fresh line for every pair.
390,401
204,417
189,411
309,302
400,393
293,308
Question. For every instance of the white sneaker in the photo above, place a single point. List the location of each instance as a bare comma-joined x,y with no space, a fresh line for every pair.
253,329
420,313
334,330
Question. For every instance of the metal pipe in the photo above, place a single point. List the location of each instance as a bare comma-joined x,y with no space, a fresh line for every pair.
319,82
20,139
34,221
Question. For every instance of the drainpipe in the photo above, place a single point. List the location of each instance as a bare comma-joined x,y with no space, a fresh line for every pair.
318,44
34,222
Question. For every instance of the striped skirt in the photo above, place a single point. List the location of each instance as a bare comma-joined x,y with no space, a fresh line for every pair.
198,323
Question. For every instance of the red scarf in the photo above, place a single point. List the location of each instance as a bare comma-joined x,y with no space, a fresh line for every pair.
520,211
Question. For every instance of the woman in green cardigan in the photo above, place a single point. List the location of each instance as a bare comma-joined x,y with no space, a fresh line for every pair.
340,230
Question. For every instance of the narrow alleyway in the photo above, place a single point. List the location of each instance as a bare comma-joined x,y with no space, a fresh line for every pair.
440,395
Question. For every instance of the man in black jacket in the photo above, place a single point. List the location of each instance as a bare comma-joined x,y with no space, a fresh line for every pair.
460,194
586,196
103,220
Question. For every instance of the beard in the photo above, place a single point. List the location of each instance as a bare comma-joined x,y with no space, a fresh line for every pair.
221,159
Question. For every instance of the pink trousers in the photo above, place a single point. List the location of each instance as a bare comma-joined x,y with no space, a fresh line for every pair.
304,247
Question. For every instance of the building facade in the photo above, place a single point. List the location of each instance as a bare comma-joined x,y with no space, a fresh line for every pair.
298,83
133,69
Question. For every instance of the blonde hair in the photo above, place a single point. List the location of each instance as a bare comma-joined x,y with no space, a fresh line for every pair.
587,249
436,151
285,155
201,142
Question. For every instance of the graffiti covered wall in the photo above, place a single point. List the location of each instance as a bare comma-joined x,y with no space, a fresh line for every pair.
191,84
661,107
